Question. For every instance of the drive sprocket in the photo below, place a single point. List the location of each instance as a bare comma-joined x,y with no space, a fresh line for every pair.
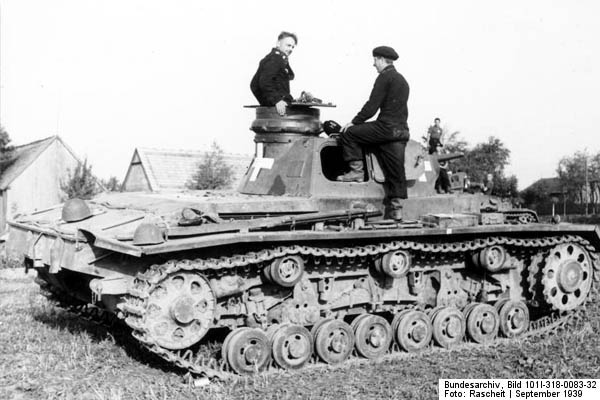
567,276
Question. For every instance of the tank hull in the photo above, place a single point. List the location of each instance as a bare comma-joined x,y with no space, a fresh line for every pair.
410,284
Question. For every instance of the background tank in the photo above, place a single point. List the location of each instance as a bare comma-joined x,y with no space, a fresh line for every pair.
295,267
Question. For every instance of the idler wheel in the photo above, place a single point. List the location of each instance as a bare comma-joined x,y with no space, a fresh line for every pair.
286,271
180,310
412,330
567,277
247,350
334,341
491,258
396,263
373,335
514,317
292,346
448,327
483,323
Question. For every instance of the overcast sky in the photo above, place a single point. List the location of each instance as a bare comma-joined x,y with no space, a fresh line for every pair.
112,75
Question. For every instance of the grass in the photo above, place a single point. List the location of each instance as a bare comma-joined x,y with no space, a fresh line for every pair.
49,353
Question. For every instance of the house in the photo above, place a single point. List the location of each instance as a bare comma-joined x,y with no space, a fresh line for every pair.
549,195
32,181
546,185
160,170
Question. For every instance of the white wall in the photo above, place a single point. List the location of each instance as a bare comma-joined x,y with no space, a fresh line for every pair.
38,187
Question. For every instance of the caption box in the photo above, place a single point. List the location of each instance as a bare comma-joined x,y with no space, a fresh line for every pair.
467,389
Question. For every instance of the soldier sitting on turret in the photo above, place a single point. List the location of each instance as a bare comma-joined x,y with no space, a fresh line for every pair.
271,82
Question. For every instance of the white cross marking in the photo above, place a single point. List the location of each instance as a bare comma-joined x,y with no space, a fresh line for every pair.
258,164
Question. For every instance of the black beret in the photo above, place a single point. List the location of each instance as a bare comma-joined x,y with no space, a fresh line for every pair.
385,52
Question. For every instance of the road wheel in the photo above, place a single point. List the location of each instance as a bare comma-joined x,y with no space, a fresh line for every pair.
412,330
334,341
292,346
373,335
448,327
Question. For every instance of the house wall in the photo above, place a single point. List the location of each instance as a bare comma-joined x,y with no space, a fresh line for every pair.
136,179
38,187
2,211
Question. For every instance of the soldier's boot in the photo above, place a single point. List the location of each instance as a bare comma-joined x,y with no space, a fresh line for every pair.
356,173
395,209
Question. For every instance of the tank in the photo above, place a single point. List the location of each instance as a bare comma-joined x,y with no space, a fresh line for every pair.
296,269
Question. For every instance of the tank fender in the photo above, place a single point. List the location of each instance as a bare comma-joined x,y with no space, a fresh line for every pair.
103,242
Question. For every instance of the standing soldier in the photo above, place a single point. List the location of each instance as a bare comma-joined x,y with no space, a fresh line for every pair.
389,133
271,83
434,136
434,139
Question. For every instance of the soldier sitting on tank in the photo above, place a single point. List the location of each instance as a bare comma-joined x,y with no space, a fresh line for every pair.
388,134
485,187
271,82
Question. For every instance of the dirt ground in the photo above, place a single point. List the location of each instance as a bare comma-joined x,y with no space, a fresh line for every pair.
49,353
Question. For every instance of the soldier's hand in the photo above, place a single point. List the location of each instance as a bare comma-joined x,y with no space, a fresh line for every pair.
348,125
281,105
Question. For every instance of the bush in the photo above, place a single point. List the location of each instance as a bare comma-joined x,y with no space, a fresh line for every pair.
212,173
81,183
6,151
8,262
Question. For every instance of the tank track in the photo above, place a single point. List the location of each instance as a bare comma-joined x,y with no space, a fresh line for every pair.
86,311
521,217
198,363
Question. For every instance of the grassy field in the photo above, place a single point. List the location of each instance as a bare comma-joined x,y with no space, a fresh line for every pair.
49,353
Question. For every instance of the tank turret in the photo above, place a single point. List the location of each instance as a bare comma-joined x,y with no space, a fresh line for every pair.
293,158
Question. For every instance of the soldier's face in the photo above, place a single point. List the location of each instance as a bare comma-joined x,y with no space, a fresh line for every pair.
379,64
286,45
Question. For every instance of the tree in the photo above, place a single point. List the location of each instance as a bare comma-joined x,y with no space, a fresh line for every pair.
6,150
505,186
212,172
453,143
571,172
111,184
81,183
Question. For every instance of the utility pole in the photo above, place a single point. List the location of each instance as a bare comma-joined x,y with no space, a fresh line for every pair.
587,194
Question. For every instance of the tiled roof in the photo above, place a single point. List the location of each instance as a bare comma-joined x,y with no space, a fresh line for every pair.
25,155
172,169
549,185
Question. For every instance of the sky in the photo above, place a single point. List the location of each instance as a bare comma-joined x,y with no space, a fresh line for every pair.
112,75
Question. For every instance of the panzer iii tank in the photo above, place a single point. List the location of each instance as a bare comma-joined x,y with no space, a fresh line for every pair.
295,268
